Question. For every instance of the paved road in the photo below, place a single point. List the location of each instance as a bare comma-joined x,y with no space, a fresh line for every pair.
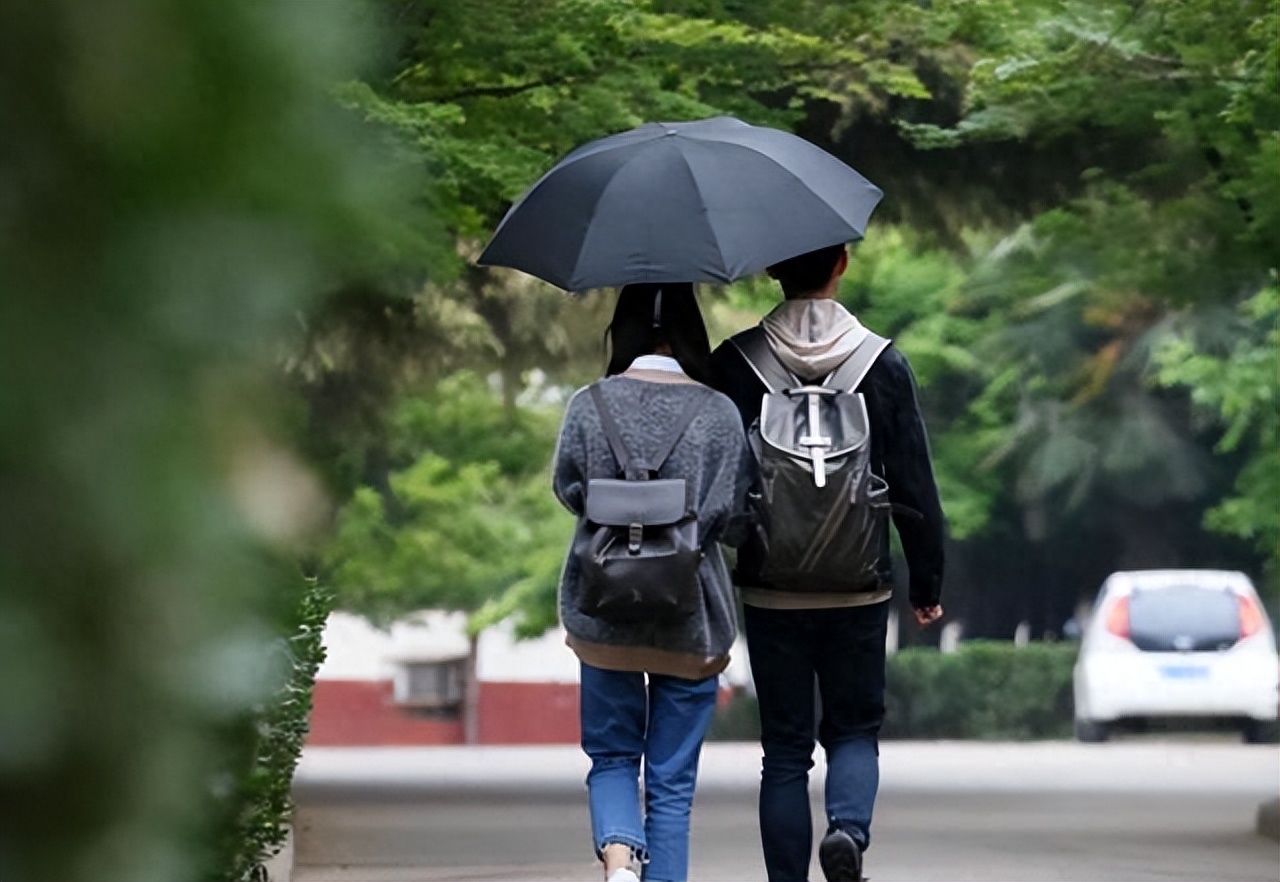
1058,812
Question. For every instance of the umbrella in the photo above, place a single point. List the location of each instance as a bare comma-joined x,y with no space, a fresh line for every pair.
707,201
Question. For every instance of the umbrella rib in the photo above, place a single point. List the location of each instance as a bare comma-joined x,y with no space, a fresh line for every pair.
851,234
582,253
724,270
854,235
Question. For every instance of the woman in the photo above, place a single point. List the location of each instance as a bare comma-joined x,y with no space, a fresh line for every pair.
649,688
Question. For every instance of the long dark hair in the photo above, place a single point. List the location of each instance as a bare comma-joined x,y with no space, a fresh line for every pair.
650,315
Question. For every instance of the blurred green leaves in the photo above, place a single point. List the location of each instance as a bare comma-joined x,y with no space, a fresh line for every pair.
178,184
1236,385
466,521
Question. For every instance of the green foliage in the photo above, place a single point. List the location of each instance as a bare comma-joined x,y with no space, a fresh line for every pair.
903,289
257,811
1172,224
737,719
493,94
1238,385
467,523
178,185
986,689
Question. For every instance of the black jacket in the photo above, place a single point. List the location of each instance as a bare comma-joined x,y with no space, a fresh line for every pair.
899,453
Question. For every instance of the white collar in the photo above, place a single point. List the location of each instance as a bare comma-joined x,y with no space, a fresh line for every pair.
656,363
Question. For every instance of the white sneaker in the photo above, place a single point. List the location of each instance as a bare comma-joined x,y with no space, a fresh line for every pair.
622,874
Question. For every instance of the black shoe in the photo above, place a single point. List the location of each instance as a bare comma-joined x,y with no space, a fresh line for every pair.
841,858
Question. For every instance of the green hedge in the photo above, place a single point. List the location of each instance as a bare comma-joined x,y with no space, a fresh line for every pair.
985,690
257,813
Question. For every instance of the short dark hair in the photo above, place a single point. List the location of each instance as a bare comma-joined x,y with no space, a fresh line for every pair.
641,324
808,272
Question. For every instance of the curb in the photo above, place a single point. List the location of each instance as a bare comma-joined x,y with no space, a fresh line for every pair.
279,866
1269,819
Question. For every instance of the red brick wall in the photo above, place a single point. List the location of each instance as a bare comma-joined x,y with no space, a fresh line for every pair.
350,713
363,712
528,713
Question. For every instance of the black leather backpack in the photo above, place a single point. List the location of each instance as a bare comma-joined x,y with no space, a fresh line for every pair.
637,541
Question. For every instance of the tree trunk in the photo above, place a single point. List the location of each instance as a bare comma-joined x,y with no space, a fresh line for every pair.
471,695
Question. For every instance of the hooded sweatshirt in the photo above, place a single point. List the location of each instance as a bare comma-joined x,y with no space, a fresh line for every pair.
811,337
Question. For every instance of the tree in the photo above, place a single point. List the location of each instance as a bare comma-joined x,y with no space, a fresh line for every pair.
467,520
1172,228
1234,380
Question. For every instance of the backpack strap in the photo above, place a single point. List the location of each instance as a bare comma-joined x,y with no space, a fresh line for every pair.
635,469
763,361
853,370
691,409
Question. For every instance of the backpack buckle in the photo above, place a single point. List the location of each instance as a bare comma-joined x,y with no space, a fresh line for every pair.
635,533
816,442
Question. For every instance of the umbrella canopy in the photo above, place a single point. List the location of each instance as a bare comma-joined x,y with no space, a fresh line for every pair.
706,201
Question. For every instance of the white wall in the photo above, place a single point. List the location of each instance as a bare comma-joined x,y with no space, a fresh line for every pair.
500,658
359,651
356,650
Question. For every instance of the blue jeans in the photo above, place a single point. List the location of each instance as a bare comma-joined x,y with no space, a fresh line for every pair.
843,651
663,722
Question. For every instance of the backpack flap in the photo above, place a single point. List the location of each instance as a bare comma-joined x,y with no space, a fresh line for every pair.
638,552
814,426
619,503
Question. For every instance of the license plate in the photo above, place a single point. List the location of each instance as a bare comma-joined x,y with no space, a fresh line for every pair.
1184,672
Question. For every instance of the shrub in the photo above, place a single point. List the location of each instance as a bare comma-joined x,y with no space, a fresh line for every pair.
257,812
985,690
737,719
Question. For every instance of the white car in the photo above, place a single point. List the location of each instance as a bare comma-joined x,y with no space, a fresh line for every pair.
1186,645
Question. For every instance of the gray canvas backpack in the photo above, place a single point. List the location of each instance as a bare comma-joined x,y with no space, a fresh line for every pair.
821,512
637,541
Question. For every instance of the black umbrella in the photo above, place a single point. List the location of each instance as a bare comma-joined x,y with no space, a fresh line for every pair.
706,201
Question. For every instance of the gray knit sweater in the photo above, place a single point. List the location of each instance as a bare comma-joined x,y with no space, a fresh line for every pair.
713,458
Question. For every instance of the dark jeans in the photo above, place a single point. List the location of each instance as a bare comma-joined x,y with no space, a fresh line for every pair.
843,651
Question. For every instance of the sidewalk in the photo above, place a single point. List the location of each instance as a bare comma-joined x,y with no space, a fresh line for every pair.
1037,812
734,767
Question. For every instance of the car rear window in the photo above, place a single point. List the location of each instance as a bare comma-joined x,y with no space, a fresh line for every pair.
1184,618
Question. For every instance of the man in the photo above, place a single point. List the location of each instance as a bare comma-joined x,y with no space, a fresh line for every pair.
838,639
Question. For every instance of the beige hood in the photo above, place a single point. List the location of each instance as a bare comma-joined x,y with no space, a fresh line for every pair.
812,337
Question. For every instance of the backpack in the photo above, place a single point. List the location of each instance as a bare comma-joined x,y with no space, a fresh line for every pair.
637,540
821,514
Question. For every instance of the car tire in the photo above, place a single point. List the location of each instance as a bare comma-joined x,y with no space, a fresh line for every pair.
1261,732
1089,732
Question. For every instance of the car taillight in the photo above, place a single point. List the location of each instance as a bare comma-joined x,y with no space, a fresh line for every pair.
1118,618
1250,617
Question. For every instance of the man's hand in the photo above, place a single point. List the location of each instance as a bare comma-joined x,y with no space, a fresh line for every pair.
927,615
